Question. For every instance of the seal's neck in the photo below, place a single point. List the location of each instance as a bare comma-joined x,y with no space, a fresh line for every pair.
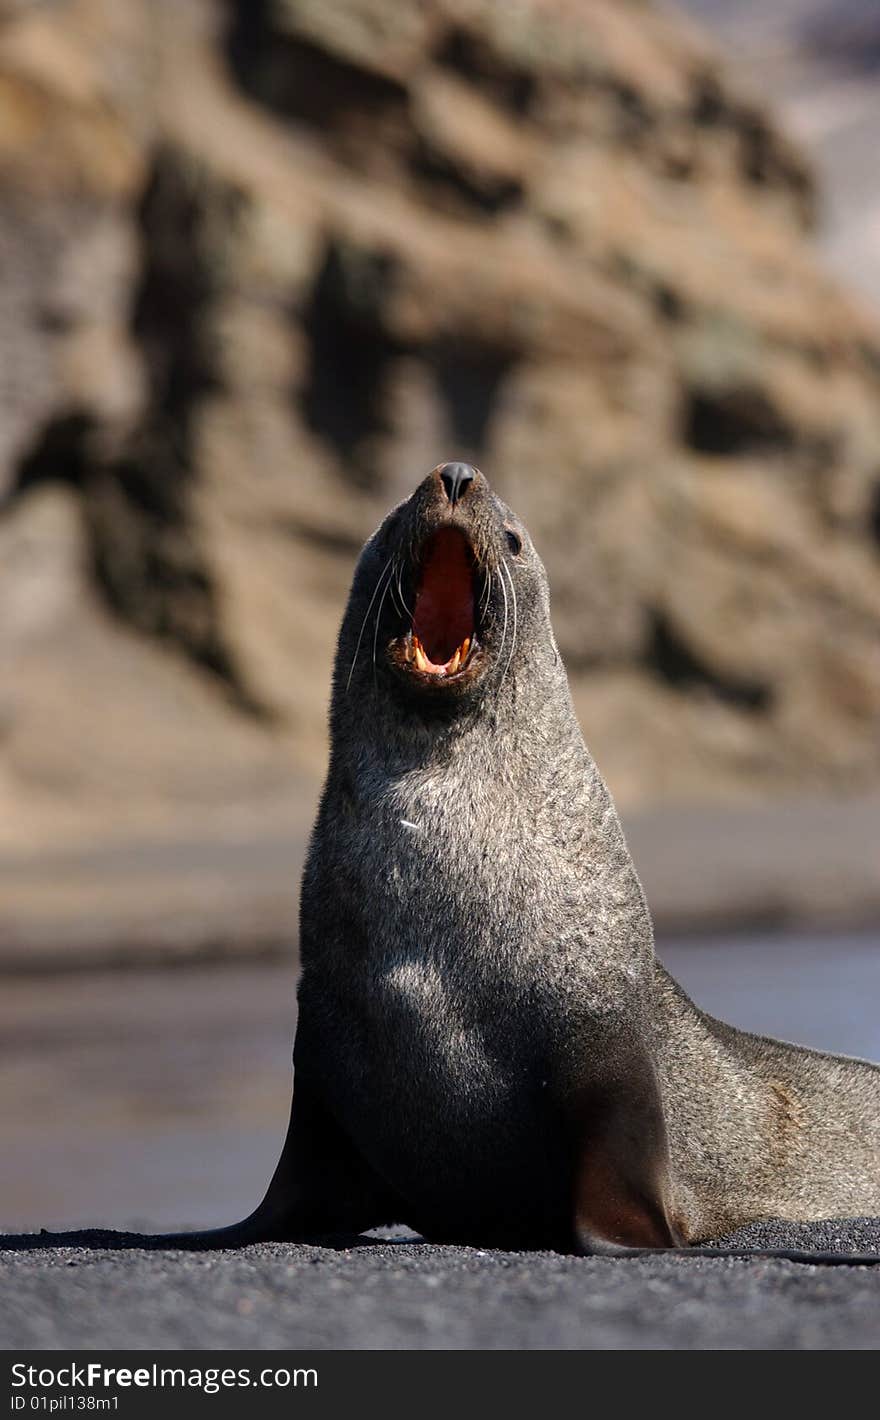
523,722
514,773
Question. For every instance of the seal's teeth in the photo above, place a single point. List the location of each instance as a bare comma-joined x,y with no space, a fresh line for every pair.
415,653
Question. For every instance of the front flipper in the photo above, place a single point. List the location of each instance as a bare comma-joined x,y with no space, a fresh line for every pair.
621,1162
321,1185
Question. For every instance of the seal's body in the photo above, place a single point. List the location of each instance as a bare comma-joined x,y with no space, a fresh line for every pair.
487,1048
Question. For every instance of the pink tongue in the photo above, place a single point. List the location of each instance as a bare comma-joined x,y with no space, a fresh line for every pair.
444,610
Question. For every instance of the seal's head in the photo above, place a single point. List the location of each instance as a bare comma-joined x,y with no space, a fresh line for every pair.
448,597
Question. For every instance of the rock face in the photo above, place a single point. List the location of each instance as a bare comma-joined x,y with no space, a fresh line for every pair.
820,59
267,262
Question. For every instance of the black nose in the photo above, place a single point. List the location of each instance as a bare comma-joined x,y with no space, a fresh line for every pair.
455,478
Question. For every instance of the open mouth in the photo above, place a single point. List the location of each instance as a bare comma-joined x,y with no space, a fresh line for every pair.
443,635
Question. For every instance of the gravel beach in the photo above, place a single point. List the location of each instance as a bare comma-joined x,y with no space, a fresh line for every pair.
415,1296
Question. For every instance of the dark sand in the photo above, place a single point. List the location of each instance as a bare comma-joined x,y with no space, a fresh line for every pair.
415,1296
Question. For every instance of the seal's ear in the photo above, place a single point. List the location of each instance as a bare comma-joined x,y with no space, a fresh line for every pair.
621,1167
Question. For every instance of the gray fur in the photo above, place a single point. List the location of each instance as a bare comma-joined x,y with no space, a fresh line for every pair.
478,962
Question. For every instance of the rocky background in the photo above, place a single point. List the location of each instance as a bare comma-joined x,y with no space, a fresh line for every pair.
819,60
263,263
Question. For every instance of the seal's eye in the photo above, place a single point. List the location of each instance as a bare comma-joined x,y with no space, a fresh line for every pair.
514,541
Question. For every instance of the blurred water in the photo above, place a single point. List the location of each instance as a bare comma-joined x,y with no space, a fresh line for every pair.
161,1098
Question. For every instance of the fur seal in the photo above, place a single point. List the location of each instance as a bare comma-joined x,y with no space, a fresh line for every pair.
487,1047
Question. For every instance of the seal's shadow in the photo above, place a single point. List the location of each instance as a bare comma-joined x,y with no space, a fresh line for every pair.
106,1239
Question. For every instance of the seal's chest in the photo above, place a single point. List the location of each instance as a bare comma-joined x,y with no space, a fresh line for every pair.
453,1028
447,1091
451,1044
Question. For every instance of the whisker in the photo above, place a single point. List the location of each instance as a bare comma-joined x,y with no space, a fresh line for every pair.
400,591
357,648
378,619
505,568
398,605
504,625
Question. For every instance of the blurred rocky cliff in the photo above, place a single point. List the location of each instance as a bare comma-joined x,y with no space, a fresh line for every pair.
265,263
